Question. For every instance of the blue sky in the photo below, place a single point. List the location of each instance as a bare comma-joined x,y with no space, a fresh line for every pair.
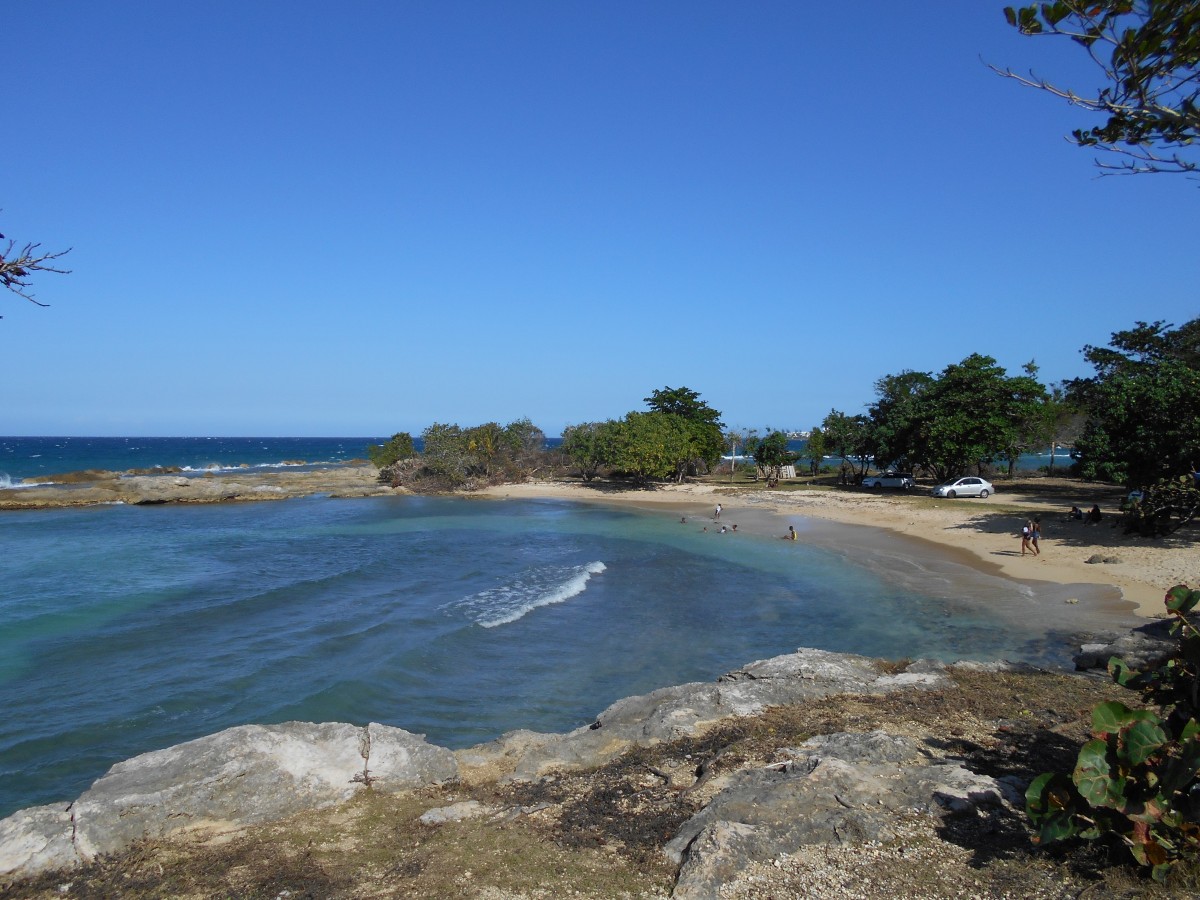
301,218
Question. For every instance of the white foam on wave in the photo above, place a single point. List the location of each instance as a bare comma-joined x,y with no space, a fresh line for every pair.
7,484
540,586
218,468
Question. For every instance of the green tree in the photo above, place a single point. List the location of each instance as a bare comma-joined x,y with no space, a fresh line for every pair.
970,415
895,417
850,438
1148,53
1143,404
1032,418
649,445
589,446
703,424
771,454
524,448
816,448
399,447
446,453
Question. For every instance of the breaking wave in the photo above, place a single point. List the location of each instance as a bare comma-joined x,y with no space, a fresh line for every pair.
539,586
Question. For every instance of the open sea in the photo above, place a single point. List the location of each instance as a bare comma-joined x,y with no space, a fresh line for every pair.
125,629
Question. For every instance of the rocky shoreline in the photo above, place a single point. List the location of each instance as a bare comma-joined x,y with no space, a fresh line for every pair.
848,788
133,488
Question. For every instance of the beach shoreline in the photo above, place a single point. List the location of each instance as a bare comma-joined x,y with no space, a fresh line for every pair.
983,532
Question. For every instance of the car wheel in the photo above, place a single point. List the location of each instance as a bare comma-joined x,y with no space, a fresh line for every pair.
951,494
877,485
983,495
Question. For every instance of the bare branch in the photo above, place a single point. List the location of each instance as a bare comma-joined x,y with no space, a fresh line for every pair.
16,267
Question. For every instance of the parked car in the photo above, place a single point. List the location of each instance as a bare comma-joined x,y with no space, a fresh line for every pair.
902,480
969,486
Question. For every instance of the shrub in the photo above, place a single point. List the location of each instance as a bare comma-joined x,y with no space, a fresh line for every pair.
1136,780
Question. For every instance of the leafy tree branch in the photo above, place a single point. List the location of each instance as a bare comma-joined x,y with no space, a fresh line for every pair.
1148,52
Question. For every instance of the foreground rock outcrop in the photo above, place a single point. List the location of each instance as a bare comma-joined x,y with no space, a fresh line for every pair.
840,789
240,776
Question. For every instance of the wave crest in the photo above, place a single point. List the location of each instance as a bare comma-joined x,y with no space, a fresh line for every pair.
540,586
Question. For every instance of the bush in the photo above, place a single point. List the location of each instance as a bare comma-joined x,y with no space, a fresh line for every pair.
1136,780
398,448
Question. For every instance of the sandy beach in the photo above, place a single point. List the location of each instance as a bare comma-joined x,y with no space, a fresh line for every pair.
985,530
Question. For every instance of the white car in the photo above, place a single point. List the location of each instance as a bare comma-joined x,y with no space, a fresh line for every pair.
889,480
970,486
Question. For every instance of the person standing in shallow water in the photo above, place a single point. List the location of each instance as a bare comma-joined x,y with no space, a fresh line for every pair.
718,513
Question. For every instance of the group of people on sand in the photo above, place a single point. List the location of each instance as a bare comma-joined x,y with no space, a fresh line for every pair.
1091,517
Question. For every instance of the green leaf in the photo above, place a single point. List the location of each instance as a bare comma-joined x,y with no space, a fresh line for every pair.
1010,15
1095,779
1142,741
1182,599
1111,717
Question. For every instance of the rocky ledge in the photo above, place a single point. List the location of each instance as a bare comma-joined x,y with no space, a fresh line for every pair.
831,789
95,488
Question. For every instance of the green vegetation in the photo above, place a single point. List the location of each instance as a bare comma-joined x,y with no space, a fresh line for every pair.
1143,404
1138,779
1148,54
970,415
771,454
680,435
454,457
398,448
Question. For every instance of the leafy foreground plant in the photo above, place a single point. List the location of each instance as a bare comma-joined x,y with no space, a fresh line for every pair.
1136,780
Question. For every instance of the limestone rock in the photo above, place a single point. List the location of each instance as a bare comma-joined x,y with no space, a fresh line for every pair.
1144,648
836,789
240,776
456,812
35,839
685,709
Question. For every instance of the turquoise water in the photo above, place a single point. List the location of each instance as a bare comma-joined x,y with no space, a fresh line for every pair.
126,629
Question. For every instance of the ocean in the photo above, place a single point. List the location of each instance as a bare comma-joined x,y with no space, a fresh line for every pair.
125,629
40,457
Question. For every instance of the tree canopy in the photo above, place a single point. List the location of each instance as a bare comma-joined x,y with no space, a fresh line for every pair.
1148,52
1143,404
703,423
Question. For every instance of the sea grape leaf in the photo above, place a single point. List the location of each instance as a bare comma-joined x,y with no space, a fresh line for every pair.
1111,717
1096,780
1142,741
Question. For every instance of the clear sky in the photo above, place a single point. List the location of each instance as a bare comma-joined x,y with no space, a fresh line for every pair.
301,218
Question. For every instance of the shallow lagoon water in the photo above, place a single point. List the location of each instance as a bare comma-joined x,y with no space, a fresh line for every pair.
127,629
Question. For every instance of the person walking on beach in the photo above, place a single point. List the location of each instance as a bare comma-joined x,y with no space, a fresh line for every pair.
1026,533
1035,533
